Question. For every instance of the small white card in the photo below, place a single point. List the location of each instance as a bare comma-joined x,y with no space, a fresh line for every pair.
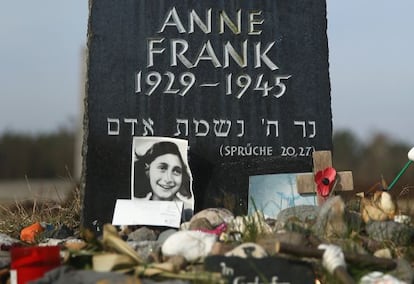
147,212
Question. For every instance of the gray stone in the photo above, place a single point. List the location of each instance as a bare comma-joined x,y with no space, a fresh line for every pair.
200,224
331,219
384,253
215,216
145,249
301,213
165,235
400,234
192,245
142,234
6,242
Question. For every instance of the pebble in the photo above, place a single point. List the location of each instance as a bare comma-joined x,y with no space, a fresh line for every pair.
384,253
192,245
200,224
145,249
142,234
215,216
404,219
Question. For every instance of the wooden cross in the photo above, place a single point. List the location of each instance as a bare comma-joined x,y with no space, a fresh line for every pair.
322,160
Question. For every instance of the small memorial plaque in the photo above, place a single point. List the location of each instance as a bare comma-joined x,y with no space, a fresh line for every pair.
272,270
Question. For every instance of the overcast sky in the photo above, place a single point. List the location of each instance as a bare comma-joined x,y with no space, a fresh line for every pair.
371,57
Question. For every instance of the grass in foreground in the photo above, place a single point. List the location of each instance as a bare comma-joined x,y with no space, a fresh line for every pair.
15,217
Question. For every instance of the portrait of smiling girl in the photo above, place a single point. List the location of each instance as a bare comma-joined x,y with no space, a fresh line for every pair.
161,173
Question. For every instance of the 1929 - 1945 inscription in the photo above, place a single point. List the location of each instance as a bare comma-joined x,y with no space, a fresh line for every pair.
245,82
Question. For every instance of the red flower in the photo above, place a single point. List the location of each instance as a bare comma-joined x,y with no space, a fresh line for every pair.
325,180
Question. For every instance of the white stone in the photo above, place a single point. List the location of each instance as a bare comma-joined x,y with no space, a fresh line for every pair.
384,253
379,277
404,219
192,245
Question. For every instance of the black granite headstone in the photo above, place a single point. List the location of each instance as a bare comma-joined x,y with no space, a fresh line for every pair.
261,270
245,82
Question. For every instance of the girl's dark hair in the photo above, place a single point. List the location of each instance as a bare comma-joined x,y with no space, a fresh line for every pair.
141,181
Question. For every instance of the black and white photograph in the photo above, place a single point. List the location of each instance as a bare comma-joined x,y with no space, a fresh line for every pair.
160,171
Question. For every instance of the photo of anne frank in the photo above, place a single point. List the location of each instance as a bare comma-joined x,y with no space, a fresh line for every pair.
159,171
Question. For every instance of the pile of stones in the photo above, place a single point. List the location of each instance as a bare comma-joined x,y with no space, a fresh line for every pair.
217,247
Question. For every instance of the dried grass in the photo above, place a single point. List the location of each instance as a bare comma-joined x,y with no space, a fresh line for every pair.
15,217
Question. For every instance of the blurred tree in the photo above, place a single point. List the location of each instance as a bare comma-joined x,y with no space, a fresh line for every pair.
369,162
346,150
39,156
381,158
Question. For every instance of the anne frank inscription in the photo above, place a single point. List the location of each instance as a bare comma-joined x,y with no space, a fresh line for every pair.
245,82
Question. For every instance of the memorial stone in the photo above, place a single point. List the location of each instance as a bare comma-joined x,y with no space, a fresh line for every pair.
245,82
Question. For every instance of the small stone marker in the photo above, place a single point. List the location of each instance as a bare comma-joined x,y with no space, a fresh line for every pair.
270,270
